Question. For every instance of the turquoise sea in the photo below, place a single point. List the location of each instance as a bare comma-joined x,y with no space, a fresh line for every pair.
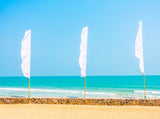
73,86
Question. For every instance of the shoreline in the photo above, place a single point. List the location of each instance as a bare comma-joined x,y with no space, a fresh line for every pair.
81,101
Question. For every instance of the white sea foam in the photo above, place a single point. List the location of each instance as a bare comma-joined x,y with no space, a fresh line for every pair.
67,92
153,92
40,90
99,93
56,91
138,91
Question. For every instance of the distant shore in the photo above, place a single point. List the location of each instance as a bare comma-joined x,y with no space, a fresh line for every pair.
81,101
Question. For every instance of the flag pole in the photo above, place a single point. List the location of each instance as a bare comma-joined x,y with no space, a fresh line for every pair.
29,88
144,86
85,87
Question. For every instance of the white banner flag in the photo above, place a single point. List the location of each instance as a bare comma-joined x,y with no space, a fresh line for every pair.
83,51
139,47
26,54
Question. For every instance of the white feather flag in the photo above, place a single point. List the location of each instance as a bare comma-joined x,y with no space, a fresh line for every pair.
83,51
26,54
139,47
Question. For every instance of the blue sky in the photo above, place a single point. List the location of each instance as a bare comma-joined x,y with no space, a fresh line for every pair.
56,28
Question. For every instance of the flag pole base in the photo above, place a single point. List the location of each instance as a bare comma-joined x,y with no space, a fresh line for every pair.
144,86
29,88
84,88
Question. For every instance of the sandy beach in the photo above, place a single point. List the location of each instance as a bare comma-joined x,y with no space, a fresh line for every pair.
45,111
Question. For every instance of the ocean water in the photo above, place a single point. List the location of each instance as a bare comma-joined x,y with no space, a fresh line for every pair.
73,86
